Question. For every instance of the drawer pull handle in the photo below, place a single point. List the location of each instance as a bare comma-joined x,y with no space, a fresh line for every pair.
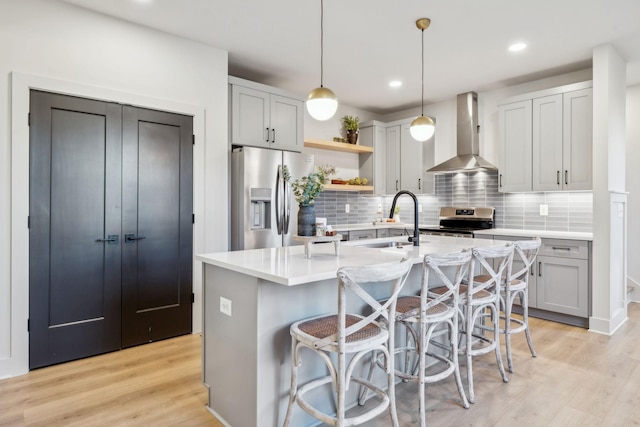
556,248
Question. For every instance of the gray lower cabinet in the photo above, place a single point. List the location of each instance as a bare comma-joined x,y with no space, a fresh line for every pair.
362,234
559,281
562,277
395,232
382,232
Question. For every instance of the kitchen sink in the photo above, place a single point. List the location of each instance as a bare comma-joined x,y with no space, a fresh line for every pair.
399,245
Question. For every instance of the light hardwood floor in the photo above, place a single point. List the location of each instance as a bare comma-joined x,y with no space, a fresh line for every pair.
578,379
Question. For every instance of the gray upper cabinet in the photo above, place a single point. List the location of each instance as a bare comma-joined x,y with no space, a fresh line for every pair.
577,141
265,117
408,161
514,133
393,160
546,139
374,134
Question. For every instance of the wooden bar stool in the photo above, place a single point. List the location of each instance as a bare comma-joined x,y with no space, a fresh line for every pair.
517,286
480,300
347,333
424,314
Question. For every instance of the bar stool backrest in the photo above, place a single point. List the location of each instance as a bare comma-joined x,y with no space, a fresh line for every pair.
432,266
351,279
524,255
487,257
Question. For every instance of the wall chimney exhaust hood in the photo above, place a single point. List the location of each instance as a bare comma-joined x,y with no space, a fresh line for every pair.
468,152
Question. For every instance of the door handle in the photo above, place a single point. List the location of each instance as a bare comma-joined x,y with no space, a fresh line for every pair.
396,185
419,183
266,130
273,136
112,239
558,177
128,238
539,268
566,177
500,179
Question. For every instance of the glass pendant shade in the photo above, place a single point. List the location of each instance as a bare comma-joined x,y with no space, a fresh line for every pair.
422,128
322,103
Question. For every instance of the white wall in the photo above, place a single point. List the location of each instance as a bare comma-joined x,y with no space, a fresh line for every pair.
632,180
58,47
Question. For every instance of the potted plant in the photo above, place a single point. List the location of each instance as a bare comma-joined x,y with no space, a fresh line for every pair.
305,191
351,125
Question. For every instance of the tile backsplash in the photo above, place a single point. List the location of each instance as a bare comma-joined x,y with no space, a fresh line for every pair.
568,211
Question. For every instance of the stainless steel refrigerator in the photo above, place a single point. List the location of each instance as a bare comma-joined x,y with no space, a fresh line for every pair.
263,210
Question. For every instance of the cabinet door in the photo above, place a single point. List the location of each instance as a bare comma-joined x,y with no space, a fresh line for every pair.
393,159
563,285
249,117
514,134
547,143
372,165
577,140
428,184
410,161
286,123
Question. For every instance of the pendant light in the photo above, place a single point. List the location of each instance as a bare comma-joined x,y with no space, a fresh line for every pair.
423,127
322,102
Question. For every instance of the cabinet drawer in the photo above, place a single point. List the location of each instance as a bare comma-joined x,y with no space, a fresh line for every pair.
383,232
578,249
362,234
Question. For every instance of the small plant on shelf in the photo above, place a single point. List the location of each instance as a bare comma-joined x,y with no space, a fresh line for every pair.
351,125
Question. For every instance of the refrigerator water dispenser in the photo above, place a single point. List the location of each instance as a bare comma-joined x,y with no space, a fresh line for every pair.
260,208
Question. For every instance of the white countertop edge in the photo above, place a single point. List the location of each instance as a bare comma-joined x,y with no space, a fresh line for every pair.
547,234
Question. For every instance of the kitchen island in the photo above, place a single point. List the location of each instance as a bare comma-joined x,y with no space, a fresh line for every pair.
252,297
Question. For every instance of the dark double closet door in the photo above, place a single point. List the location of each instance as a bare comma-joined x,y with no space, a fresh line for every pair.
110,227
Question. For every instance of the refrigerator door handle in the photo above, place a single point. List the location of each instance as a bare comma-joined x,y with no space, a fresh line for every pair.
279,197
287,207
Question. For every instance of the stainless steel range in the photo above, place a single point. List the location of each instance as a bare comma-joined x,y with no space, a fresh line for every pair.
461,222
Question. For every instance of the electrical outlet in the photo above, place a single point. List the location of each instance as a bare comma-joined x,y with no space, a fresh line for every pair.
419,207
379,211
544,210
225,306
346,208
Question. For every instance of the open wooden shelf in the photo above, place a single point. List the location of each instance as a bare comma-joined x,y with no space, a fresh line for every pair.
337,146
347,187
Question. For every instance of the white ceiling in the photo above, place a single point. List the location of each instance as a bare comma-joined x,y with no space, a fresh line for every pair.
367,43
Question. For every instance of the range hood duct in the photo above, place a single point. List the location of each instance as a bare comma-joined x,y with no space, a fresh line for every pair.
468,153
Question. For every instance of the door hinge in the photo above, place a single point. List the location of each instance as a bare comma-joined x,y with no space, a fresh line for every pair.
29,119
193,297
193,218
29,221
28,325
193,139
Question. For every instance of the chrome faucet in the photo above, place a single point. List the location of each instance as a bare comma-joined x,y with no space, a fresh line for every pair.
416,231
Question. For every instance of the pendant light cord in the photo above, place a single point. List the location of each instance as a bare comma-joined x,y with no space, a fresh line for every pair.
321,43
422,95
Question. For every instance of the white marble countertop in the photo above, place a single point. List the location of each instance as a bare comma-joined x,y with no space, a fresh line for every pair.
289,266
545,234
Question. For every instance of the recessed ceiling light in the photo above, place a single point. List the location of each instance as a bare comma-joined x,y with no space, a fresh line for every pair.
395,83
517,47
